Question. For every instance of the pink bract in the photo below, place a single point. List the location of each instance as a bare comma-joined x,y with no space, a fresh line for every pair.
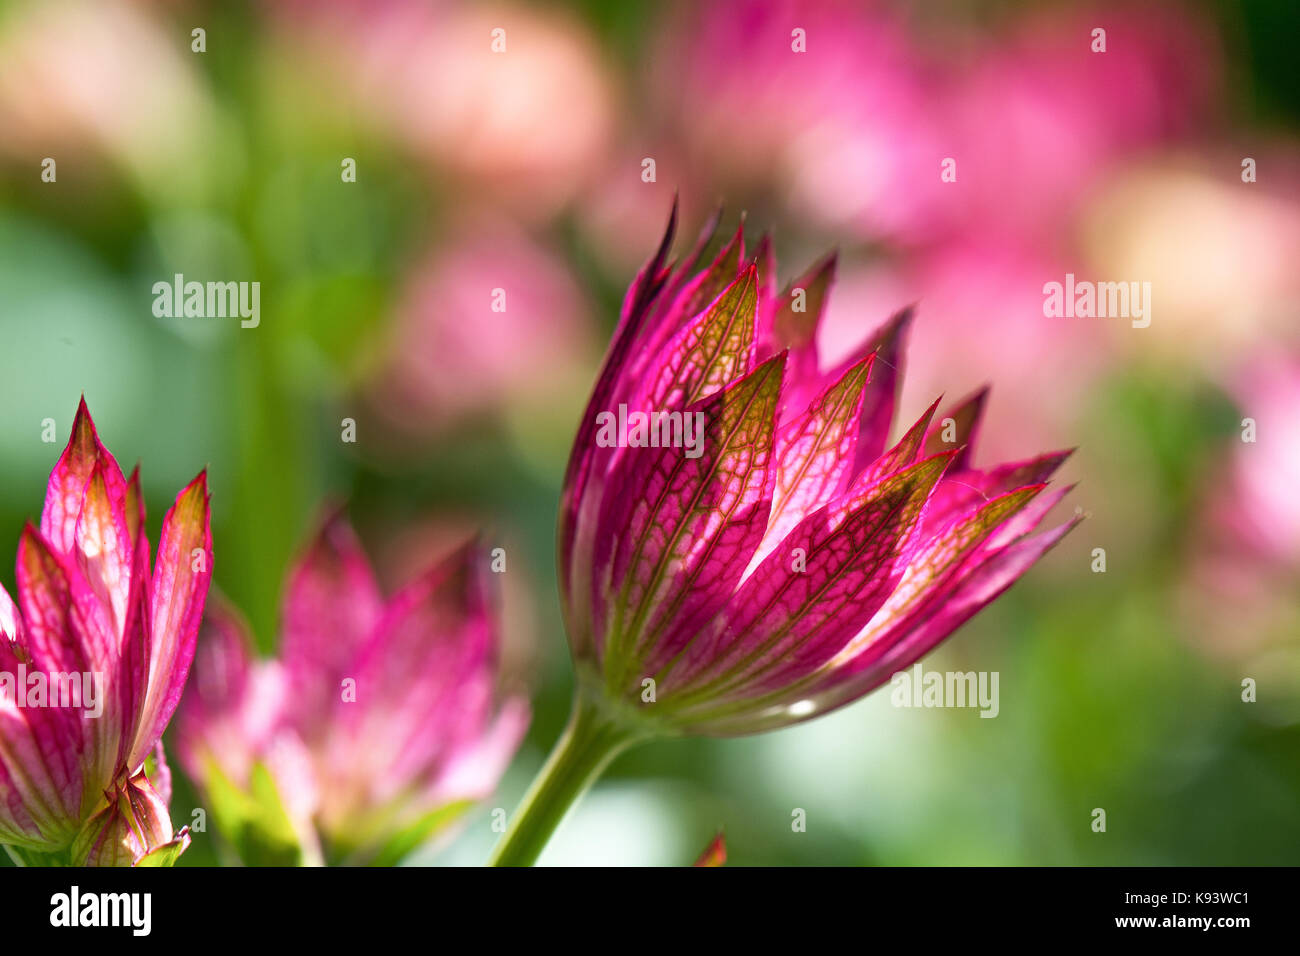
798,559
74,785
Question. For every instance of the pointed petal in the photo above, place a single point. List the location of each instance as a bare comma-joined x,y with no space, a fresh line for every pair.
882,391
905,453
815,455
794,326
715,854
934,562
68,480
802,304
182,573
675,551
588,462
714,349
811,595
943,612
768,300
134,504
103,541
332,605
40,788
423,682
961,492
703,289
69,630
958,427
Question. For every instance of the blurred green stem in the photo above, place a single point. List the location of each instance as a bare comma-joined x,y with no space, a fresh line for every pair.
592,739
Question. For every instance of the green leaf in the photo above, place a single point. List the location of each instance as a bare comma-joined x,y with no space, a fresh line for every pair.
253,821
412,837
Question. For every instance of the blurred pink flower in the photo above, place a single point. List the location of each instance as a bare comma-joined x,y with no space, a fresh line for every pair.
524,114
854,130
489,323
979,320
1260,505
1037,118
102,73
845,131
1219,253
391,703
1242,601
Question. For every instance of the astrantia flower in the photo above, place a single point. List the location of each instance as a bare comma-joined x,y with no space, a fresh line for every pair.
83,779
379,723
789,561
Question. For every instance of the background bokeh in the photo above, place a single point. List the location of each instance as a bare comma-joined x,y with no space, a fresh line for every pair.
523,171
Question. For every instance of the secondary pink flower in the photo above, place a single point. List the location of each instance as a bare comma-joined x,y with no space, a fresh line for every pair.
491,322
848,133
82,780
379,721
789,560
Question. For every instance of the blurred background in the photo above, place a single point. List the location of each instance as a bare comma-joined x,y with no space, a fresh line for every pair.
526,171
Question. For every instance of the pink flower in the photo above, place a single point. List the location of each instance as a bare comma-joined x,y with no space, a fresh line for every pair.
490,322
789,560
378,723
1241,595
82,780
510,100
1039,117
848,133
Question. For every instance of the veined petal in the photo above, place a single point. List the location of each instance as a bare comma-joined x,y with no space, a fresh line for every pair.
768,300
131,681
882,391
794,325
809,597
103,541
904,454
815,455
70,631
68,628
710,352
958,428
934,561
68,481
943,612
961,492
676,550
40,788
697,293
182,573
584,476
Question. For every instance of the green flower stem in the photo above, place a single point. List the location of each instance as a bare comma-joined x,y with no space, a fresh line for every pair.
593,738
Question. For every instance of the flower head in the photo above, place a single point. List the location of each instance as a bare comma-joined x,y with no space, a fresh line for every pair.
378,725
790,559
96,652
